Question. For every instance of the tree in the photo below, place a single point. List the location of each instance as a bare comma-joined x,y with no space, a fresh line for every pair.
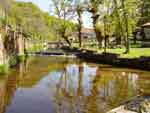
94,6
118,25
6,6
79,12
130,15
125,15
80,9
126,26
107,5
64,10
34,23
144,11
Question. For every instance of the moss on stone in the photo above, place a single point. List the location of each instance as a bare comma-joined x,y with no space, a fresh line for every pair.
22,57
4,68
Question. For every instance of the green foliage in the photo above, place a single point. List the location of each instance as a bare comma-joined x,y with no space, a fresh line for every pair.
36,48
22,58
145,12
33,22
116,17
4,69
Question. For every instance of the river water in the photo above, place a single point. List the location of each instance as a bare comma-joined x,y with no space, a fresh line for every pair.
68,85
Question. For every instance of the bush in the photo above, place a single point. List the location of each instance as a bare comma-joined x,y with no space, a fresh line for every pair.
4,68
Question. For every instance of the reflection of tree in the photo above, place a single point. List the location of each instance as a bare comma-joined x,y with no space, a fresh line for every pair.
61,89
117,87
22,66
80,80
67,100
9,88
108,89
144,85
94,102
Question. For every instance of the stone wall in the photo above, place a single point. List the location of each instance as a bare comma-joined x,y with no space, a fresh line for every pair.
12,45
3,56
20,44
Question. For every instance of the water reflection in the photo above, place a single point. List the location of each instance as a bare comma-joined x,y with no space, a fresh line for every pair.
61,85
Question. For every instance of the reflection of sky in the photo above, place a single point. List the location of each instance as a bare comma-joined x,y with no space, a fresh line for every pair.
88,75
72,78
45,4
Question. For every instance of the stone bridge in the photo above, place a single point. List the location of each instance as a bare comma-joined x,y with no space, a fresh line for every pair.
54,45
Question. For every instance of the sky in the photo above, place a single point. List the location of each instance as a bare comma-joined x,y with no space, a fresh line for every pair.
45,4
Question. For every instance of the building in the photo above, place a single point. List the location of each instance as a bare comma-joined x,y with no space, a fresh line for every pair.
88,34
146,31
143,34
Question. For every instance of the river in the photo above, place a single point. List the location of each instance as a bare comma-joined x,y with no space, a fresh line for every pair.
44,84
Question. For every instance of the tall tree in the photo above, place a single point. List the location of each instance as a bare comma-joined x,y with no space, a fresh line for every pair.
94,6
118,25
130,16
5,5
80,9
107,5
145,12
79,12
126,26
64,10
125,15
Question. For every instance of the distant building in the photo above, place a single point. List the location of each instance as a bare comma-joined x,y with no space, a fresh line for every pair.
146,31
88,34
143,34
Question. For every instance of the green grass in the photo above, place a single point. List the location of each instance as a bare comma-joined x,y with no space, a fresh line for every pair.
134,52
35,48
4,68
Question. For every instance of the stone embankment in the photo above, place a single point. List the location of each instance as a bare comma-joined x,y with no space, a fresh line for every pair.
12,47
142,63
136,105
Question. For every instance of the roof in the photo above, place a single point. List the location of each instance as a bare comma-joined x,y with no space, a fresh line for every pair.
87,30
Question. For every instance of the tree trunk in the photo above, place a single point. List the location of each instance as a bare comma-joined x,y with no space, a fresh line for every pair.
119,35
63,34
105,35
126,28
99,37
79,13
80,32
67,40
97,32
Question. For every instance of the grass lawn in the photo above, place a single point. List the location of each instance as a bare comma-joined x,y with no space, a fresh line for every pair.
134,52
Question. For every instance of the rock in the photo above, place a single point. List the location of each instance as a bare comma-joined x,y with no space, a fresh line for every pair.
145,106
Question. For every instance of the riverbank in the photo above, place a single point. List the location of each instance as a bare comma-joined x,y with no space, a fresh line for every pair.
12,48
142,62
136,105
